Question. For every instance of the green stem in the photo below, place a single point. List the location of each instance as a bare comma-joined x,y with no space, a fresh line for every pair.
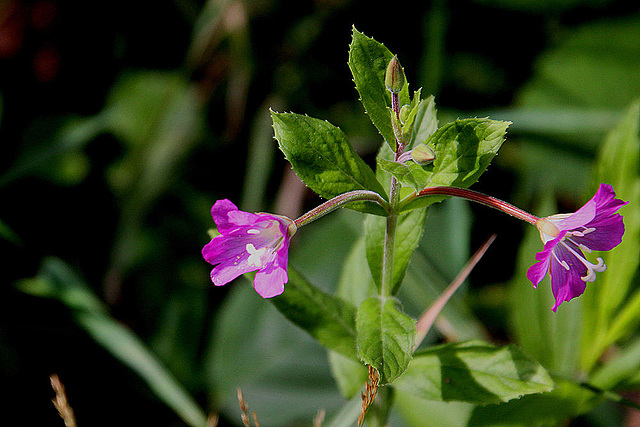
387,254
392,220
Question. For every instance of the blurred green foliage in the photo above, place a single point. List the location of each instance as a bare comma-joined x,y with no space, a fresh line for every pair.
123,122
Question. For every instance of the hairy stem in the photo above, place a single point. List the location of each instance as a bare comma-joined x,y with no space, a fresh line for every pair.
477,197
339,201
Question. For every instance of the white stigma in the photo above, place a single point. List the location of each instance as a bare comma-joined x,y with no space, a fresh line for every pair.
255,255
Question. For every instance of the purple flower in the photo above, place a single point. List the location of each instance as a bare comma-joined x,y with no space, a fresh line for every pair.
249,242
595,226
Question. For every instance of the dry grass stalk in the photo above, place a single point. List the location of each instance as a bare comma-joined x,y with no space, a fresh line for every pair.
319,418
212,420
429,316
244,412
369,394
61,403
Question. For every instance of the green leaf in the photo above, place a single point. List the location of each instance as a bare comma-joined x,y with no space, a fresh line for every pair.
325,317
323,158
368,62
350,376
624,365
385,337
409,174
8,234
564,402
354,285
426,121
464,149
408,233
56,280
473,372
276,364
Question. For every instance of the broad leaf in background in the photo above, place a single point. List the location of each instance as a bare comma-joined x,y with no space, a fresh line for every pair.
619,371
564,402
578,88
275,363
408,232
611,313
325,317
441,254
385,337
464,149
354,285
368,62
56,280
473,372
322,157
158,116
594,65
8,234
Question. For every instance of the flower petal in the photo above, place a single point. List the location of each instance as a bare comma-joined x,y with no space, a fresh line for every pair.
566,275
225,272
607,234
579,218
269,282
538,270
220,213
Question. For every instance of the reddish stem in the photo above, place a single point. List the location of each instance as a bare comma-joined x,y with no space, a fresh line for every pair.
477,197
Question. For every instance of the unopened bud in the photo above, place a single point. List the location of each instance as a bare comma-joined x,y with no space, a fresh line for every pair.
423,154
394,77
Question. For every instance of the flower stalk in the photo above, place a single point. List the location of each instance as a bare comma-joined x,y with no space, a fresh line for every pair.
477,197
338,202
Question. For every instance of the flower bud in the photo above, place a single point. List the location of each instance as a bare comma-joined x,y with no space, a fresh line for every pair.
423,154
394,77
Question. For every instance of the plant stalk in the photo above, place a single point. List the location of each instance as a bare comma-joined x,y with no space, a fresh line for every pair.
339,201
477,197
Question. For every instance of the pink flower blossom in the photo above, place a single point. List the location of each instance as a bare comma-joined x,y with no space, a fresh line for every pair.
249,242
595,226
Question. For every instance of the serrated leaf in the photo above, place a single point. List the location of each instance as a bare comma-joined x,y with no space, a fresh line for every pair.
327,318
368,60
464,149
473,372
384,337
322,157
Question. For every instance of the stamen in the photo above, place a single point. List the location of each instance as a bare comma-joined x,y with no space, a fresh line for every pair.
560,261
591,268
583,232
253,231
580,245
